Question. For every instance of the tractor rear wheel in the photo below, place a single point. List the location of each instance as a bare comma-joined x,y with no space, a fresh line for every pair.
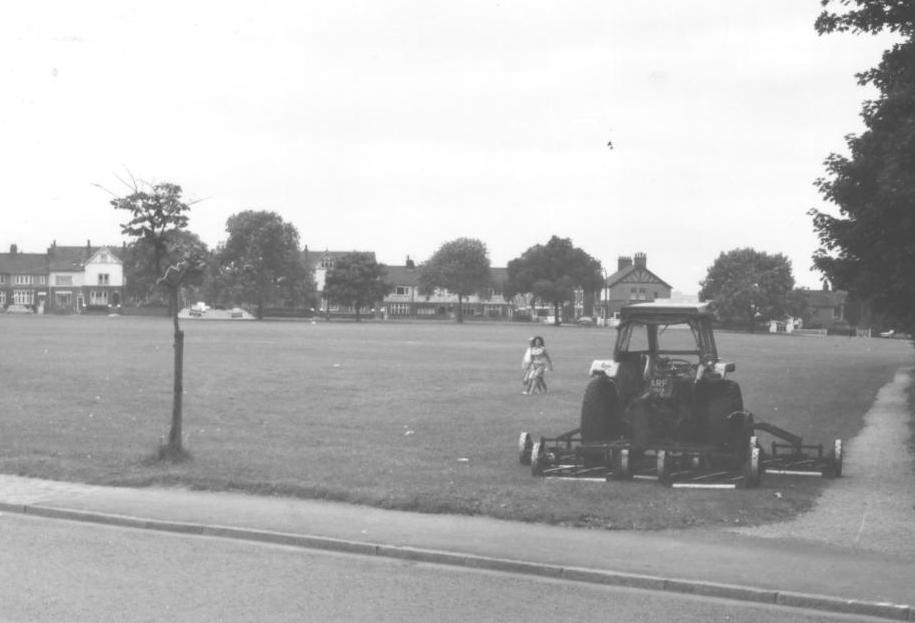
601,414
729,426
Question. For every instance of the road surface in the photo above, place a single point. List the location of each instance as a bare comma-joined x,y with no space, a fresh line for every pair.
54,570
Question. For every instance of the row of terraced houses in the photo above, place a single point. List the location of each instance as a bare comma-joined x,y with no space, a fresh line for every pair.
632,281
63,279
76,278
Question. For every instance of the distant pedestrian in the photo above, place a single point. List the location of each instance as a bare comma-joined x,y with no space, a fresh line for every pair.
534,364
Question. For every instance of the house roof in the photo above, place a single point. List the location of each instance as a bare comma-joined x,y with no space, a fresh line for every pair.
824,298
64,258
402,276
23,263
628,271
312,257
405,276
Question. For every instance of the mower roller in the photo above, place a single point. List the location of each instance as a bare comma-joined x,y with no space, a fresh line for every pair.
649,413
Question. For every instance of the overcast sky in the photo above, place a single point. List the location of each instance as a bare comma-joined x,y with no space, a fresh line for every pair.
396,126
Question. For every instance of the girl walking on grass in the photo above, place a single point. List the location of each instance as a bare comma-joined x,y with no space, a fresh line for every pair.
534,364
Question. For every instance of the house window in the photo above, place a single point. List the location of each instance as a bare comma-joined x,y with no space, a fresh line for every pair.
103,279
23,297
327,263
63,280
98,297
2,297
22,280
2,278
399,309
401,290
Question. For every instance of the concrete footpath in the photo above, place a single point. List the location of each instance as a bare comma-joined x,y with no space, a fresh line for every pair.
790,572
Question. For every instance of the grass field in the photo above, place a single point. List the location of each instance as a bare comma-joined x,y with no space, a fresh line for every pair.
413,416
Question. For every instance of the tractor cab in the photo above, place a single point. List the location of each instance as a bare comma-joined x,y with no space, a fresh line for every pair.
660,343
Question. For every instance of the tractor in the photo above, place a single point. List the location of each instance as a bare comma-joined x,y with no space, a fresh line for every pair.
664,408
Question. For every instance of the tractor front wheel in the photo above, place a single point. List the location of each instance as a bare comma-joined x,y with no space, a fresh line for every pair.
600,411
729,426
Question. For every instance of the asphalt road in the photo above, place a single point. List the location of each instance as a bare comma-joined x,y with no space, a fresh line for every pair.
54,570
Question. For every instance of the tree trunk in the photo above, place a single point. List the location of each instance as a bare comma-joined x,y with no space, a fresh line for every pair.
556,320
460,309
174,435
356,307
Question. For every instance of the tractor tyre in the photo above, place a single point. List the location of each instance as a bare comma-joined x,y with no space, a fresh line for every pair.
600,411
732,433
525,445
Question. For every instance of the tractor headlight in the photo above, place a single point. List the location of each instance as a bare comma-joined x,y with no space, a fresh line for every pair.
607,367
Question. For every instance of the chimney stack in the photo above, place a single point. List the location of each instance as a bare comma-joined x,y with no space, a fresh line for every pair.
14,249
640,260
623,262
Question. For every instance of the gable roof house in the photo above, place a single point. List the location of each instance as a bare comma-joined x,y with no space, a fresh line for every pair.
632,282
81,277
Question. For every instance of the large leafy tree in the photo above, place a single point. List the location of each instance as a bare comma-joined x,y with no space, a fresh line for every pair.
460,266
261,262
746,286
867,247
552,272
356,279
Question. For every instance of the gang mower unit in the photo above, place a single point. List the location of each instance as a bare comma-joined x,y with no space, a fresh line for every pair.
663,409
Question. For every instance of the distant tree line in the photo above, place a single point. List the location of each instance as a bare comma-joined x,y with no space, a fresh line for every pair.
261,266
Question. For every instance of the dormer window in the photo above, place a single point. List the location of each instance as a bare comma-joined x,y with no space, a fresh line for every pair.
103,279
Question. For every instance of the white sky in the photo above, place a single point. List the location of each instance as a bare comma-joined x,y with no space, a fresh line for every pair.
396,126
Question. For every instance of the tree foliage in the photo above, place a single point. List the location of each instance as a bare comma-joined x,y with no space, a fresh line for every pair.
140,273
155,213
261,262
460,266
746,286
552,272
867,248
356,279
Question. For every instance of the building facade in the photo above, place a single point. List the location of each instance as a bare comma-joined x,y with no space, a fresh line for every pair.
406,300
826,308
631,283
64,279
